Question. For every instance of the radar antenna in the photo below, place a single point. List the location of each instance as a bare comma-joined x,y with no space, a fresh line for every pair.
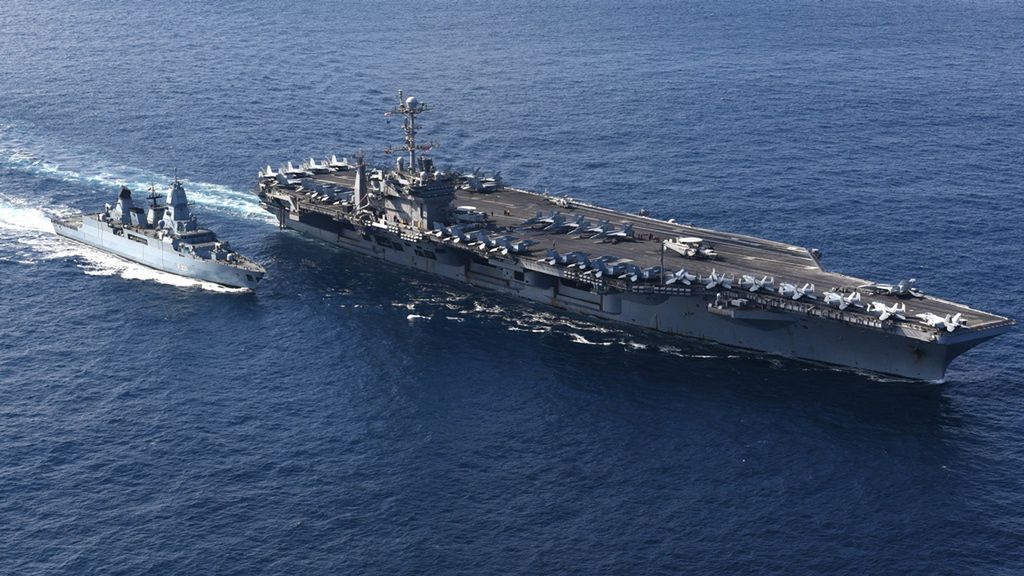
409,108
154,196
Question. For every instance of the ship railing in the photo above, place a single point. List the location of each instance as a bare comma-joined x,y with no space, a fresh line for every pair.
669,290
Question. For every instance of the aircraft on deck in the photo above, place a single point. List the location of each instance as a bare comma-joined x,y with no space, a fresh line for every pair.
578,225
508,245
691,247
715,279
885,312
477,182
842,301
949,322
338,165
791,291
626,233
681,276
584,262
315,167
529,222
292,173
490,183
602,227
753,284
608,268
557,226
635,273
554,257
455,234
903,288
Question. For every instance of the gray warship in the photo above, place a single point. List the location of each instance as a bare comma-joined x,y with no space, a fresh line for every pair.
165,236
736,290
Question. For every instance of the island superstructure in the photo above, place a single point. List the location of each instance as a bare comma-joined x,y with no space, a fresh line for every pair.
732,289
165,236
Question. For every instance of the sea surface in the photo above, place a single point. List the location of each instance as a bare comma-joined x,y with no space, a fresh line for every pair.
347,418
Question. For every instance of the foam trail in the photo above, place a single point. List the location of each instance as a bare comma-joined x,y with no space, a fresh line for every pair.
25,157
16,217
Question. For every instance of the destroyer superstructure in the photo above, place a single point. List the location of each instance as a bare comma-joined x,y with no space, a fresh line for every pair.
165,236
732,289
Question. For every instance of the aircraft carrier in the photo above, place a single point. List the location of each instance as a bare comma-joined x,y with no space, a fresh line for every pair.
632,269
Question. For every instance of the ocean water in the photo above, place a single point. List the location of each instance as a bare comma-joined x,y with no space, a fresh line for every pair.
350,419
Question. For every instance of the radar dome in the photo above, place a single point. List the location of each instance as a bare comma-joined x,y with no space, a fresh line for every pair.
412,102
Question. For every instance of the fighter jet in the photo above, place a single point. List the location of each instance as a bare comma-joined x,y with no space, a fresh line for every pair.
338,166
481,240
578,225
885,312
601,228
554,257
529,222
551,218
950,322
490,183
293,173
715,280
508,245
457,234
268,173
901,289
557,226
608,268
626,233
841,301
583,262
315,167
453,233
788,290
752,284
636,273
681,276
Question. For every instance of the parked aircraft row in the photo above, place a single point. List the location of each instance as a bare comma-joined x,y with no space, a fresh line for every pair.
557,223
603,266
467,234
290,174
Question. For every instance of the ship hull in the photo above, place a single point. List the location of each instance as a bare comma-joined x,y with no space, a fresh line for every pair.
902,353
155,254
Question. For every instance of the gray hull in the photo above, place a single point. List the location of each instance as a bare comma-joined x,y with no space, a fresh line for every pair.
153,253
797,334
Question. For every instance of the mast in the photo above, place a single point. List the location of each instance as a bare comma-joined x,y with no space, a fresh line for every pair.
359,192
409,108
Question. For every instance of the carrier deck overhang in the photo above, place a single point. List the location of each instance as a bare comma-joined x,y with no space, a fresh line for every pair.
508,208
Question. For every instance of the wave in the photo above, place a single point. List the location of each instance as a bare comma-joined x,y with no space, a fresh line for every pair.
81,171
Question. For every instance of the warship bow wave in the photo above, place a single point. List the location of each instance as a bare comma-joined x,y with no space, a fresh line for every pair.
732,289
162,236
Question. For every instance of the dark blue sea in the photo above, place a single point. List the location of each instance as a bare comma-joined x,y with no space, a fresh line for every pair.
348,418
